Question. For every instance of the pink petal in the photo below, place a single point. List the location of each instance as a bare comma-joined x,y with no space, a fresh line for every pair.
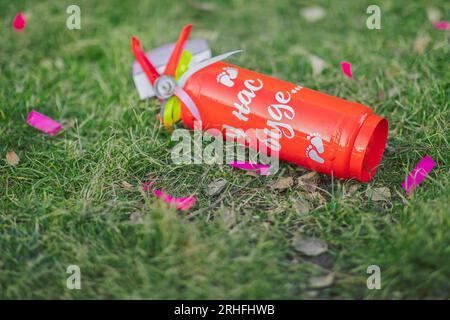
418,174
19,22
43,123
442,25
181,204
257,167
347,69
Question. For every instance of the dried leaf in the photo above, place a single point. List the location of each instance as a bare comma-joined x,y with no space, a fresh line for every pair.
434,14
12,158
317,196
283,183
313,14
216,187
135,217
229,218
302,206
67,124
380,194
321,281
308,181
421,43
310,246
352,190
317,64
127,185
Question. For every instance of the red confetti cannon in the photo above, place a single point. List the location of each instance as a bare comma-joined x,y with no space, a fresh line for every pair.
309,128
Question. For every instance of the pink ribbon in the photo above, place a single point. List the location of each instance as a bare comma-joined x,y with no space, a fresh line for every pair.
186,99
418,174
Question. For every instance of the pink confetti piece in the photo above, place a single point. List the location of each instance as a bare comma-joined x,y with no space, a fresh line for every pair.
442,25
418,174
347,69
19,22
257,167
182,204
43,123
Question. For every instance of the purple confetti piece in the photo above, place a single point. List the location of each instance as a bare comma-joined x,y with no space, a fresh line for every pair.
43,123
418,174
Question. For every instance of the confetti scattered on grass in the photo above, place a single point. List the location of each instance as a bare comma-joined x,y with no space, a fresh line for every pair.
43,123
418,174
347,69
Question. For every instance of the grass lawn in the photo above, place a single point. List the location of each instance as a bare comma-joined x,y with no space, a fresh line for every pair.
65,204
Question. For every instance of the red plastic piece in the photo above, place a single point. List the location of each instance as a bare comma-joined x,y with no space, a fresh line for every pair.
176,53
145,63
